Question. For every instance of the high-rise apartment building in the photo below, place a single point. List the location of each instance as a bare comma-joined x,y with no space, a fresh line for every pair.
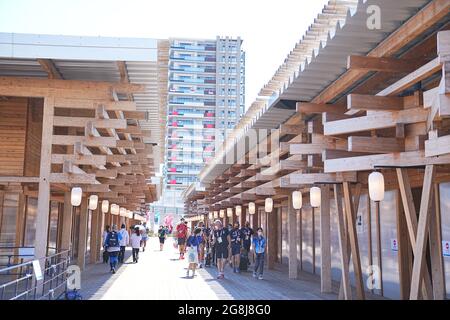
206,87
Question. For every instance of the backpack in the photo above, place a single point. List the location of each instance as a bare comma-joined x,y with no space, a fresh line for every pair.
113,240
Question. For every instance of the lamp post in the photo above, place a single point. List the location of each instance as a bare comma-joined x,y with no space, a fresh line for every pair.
315,199
376,194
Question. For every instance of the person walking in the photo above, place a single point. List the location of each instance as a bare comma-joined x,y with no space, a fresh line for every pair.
193,247
112,243
221,243
162,234
201,252
236,244
144,234
229,227
181,234
259,245
105,252
247,234
135,242
123,242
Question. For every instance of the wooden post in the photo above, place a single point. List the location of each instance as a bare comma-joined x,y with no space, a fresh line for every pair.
349,211
343,244
369,234
437,262
67,223
300,239
20,224
411,221
325,240
292,236
422,232
379,249
271,238
313,228
95,217
404,252
43,207
83,233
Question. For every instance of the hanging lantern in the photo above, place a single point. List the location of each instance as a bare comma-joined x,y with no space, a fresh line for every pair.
93,202
210,216
75,196
238,211
297,200
105,206
122,211
222,213
315,197
268,205
115,210
251,208
216,214
376,186
229,212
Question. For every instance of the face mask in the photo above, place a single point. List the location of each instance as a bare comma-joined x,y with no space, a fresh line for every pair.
259,233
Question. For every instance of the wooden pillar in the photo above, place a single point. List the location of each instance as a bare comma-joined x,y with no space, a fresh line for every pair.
243,217
95,222
20,224
313,229
369,234
83,233
43,207
343,244
437,262
300,238
67,223
379,248
255,222
422,232
271,238
404,252
292,236
325,241
349,211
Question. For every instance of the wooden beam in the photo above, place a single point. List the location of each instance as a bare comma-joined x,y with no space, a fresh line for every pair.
350,212
50,68
375,144
317,108
377,103
383,64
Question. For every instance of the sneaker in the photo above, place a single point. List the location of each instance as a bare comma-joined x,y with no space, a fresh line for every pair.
254,275
113,270
260,277
237,270
219,276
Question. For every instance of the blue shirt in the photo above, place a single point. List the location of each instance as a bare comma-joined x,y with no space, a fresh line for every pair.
259,243
119,237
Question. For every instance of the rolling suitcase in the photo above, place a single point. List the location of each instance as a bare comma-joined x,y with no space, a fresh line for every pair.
244,262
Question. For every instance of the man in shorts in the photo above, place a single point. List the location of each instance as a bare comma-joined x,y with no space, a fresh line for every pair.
222,245
181,233
236,244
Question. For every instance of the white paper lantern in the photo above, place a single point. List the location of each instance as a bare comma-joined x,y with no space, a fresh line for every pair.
115,210
251,208
376,186
93,202
268,205
122,211
105,206
238,211
297,200
75,196
210,216
222,213
315,197
216,214
229,212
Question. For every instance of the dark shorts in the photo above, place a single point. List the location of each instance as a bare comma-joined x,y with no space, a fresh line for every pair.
222,252
235,249
247,245
161,240
181,241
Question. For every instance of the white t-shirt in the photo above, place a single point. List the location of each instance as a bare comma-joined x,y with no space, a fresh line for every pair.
135,241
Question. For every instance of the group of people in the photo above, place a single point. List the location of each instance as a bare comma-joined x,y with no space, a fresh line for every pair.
220,245
115,242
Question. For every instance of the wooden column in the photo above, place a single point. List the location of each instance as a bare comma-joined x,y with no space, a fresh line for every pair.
325,241
343,244
379,248
313,228
271,238
437,262
292,236
67,223
83,233
243,216
95,222
255,222
300,238
404,252
349,211
20,224
422,232
43,207
369,234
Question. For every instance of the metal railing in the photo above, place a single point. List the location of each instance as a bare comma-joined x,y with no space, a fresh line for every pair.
18,282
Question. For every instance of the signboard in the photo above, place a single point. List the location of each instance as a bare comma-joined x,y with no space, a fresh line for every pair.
37,270
394,245
446,248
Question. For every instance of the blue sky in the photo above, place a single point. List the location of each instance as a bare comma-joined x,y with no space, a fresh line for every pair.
269,29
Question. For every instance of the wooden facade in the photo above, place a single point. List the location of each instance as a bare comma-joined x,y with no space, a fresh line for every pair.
388,112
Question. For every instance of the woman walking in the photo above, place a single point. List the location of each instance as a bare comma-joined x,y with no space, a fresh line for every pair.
135,242
259,244
162,234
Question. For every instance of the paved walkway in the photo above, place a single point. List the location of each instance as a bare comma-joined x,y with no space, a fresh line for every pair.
160,275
